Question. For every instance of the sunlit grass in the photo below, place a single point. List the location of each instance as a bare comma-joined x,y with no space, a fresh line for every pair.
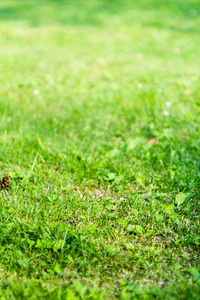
99,115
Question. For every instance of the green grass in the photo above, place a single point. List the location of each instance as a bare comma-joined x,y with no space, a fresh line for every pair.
104,200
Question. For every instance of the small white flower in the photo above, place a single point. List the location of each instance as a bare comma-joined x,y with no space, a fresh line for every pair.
36,92
193,12
140,85
168,104
165,113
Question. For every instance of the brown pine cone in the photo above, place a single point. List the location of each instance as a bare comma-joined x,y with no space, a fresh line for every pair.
4,183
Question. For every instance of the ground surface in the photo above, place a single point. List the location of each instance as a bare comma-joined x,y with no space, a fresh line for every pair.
104,200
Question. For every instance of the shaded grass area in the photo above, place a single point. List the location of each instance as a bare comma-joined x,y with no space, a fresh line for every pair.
104,198
98,13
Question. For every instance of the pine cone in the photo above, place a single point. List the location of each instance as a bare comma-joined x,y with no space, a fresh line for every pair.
4,183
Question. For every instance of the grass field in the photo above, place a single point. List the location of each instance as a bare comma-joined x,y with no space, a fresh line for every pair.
100,138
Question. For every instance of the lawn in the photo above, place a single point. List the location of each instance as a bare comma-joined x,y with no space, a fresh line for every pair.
100,139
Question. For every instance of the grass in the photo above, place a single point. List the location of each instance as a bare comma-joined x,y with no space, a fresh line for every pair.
104,198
